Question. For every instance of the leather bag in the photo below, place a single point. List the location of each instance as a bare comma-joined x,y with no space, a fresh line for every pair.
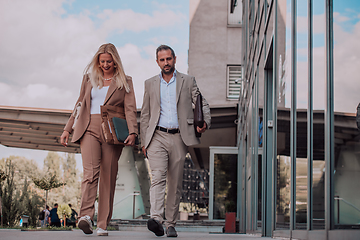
358,117
115,129
198,115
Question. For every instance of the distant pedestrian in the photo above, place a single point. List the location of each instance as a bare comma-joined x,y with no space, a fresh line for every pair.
44,217
73,218
47,214
54,218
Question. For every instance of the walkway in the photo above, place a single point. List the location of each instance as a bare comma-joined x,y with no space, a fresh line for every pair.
15,234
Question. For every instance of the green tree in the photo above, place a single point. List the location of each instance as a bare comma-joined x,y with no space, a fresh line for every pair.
20,195
52,167
30,203
47,182
2,178
17,193
72,180
10,195
2,175
65,169
69,167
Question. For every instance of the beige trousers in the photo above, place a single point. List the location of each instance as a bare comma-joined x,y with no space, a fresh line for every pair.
100,160
166,154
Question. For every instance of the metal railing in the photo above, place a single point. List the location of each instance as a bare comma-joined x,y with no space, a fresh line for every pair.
338,198
134,194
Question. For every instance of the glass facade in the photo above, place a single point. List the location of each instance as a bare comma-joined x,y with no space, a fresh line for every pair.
346,99
298,138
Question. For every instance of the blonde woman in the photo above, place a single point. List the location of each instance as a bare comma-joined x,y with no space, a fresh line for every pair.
104,83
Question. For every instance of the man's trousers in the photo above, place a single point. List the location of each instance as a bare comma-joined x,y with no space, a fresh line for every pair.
166,154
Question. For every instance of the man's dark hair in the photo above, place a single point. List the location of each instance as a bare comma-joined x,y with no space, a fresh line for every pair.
69,205
55,205
164,47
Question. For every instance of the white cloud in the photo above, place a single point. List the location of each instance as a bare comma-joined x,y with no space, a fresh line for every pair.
340,18
346,65
44,51
36,95
139,68
121,20
302,23
42,47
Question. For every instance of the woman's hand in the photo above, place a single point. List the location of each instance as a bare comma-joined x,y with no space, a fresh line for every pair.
130,140
64,138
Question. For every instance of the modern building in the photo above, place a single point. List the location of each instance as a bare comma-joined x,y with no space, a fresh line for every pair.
216,65
215,53
215,59
298,144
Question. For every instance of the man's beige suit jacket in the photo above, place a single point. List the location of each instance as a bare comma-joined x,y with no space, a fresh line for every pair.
186,93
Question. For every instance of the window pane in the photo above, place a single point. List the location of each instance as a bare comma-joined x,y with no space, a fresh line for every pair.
301,113
235,82
225,184
283,118
346,99
235,17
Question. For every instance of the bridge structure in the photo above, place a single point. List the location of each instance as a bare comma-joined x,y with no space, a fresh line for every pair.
40,129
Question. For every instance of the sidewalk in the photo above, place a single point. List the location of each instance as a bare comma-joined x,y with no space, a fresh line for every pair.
15,234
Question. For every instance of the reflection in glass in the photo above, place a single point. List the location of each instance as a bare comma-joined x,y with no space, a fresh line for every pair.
319,109
225,184
283,198
346,99
301,113
283,118
301,192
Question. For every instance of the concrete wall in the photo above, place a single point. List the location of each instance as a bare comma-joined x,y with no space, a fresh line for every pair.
212,46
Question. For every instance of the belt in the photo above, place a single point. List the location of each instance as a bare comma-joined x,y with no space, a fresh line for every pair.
171,130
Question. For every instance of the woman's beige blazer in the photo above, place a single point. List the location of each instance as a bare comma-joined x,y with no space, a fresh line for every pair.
114,97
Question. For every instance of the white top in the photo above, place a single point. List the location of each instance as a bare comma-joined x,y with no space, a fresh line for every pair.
97,99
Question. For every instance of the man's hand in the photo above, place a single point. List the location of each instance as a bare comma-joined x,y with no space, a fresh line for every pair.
144,151
64,138
201,130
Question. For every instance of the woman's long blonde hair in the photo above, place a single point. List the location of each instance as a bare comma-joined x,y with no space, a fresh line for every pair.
97,75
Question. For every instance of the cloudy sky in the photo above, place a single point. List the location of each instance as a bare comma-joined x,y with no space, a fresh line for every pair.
346,55
46,45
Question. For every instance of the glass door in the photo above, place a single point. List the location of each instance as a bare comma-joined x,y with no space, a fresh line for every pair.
223,181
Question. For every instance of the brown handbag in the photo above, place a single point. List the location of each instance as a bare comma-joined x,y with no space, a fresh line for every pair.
198,115
110,117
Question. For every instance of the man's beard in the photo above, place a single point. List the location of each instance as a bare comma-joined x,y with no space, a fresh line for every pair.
171,70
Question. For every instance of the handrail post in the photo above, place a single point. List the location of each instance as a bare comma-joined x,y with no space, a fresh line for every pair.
337,198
